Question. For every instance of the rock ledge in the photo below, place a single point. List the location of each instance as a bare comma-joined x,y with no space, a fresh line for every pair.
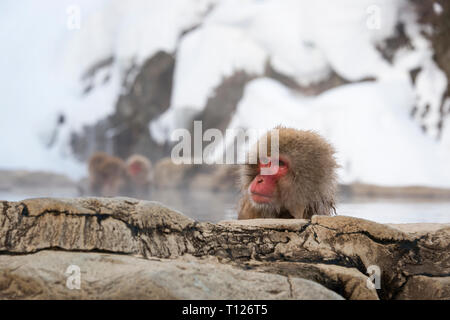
127,248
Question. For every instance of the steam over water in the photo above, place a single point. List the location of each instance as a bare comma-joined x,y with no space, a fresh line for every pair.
214,207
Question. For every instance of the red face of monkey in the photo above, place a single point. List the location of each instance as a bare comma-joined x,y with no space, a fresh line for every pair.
135,168
139,168
301,184
263,188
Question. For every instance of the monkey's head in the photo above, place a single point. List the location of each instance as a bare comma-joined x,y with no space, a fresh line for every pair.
139,169
113,176
297,181
96,160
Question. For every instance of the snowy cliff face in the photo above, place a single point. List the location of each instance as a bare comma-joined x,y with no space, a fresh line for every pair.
330,66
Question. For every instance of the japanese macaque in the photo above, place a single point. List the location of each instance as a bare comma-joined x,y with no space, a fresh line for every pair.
298,181
107,175
169,175
139,170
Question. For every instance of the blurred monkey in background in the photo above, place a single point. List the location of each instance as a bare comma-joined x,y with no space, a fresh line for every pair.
107,175
139,171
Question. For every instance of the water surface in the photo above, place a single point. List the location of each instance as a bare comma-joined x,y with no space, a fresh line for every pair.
214,207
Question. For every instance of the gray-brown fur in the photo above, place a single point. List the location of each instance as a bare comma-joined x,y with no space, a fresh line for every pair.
107,175
308,188
139,183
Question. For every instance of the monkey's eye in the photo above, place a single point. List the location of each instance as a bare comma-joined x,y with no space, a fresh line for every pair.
281,163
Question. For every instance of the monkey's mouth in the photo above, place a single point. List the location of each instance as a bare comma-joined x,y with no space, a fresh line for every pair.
260,198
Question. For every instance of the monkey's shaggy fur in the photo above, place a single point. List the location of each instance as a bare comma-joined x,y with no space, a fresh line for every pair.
309,187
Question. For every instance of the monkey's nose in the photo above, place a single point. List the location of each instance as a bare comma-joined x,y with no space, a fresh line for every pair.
260,180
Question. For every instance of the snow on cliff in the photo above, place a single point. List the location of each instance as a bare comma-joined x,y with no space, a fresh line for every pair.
375,139
369,122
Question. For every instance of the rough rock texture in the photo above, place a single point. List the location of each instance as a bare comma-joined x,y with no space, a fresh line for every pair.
333,251
107,276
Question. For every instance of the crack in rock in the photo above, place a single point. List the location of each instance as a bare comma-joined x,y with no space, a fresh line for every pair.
148,229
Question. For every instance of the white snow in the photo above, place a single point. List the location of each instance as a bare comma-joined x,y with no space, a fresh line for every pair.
302,39
31,90
431,84
437,8
377,141
131,32
43,62
206,56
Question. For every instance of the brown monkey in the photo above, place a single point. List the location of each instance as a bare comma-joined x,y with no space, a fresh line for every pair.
301,185
95,176
139,170
107,175
170,175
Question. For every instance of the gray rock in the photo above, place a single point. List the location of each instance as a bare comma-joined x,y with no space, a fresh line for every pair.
333,251
105,276
435,288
